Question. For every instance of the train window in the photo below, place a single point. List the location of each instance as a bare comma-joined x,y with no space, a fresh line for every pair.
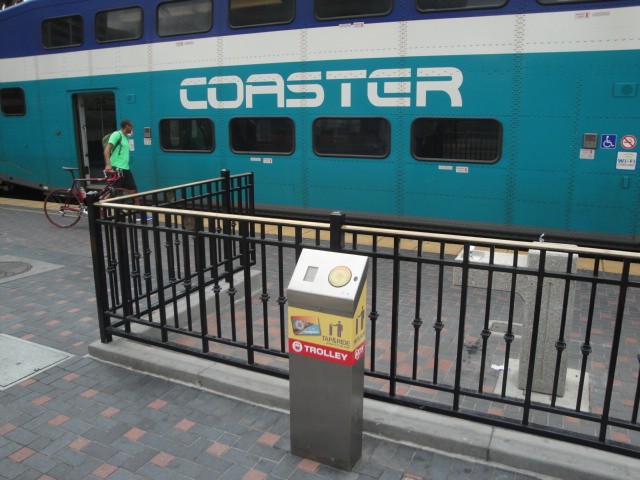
251,13
118,25
63,31
456,139
262,135
330,9
187,134
12,101
368,137
437,5
181,17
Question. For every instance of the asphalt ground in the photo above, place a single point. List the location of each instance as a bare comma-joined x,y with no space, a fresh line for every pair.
84,417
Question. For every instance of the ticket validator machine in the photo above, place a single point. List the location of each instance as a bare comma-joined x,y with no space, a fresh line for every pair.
327,304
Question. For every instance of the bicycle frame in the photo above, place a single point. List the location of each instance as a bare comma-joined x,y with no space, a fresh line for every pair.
77,183
63,207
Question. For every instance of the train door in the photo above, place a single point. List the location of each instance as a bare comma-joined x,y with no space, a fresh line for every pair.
95,117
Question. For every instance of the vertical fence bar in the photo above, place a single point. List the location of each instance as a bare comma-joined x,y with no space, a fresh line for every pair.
373,316
236,199
615,344
636,402
232,305
199,254
226,224
251,198
112,267
136,278
186,281
417,321
585,348
250,210
123,266
282,299
297,240
157,248
147,276
395,301
438,324
336,221
264,298
509,336
461,324
214,248
561,344
171,267
534,337
486,332
245,252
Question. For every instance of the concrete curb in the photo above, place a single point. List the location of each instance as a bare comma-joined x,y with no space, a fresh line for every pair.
399,424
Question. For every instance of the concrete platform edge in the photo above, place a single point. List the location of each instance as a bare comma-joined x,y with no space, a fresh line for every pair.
561,459
399,424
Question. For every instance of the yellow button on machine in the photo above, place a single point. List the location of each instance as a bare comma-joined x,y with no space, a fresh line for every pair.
339,276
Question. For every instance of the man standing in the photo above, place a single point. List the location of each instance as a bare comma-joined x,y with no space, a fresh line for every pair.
116,155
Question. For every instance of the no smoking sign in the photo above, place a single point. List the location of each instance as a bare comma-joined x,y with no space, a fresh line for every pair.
628,142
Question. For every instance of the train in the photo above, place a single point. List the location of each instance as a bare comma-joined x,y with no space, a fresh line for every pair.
472,115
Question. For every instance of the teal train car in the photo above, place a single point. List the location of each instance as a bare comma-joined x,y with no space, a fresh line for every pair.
476,115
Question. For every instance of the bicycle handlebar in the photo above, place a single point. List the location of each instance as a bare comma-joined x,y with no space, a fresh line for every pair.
112,175
109,176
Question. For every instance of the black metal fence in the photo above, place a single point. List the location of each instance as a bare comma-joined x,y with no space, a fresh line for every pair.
533,336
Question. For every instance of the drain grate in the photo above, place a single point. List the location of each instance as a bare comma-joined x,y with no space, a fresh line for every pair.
21,359
9,269
13,268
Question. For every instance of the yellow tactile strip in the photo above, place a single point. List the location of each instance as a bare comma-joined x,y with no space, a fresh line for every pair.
16,202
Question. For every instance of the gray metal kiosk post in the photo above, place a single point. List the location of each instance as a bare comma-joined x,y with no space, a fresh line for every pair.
327,303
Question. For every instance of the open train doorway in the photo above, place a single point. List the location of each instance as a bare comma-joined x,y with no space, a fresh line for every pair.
95,118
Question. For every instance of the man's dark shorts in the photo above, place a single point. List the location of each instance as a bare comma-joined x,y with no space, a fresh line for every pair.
127,181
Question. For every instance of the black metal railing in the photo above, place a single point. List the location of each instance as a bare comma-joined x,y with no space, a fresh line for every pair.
532,336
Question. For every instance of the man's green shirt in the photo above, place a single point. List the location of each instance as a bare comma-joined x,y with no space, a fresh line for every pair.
119,153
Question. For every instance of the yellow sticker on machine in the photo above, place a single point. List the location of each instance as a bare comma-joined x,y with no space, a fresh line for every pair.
328,330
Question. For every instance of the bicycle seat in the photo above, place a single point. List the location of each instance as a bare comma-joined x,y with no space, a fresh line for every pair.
69,169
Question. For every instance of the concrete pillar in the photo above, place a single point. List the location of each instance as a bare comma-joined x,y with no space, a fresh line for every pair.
549,326
550,310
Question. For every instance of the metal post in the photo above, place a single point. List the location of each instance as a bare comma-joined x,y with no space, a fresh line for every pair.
245,250
336,221
200,257
124,272
250,195
226,224
99,269
226,190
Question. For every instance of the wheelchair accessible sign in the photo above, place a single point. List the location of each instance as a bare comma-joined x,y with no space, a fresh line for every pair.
608,141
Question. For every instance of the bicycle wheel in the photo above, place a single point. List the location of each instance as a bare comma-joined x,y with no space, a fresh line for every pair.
63,208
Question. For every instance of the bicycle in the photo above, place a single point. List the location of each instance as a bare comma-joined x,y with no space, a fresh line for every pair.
64,207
